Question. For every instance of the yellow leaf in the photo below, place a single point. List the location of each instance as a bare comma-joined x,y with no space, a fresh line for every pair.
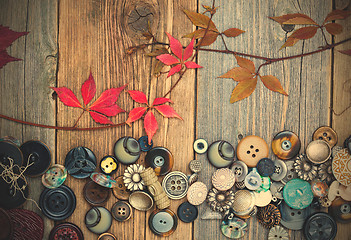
243,90
238,74
272,83
200,20
245,63
333,28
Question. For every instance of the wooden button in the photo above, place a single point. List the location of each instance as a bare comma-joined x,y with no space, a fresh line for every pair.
66,231
120,190
251,149
342,167
121,211
95,194
327,134
318,151
286,145
197,193
223,179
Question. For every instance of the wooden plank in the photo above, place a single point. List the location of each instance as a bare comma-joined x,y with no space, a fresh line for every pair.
264,113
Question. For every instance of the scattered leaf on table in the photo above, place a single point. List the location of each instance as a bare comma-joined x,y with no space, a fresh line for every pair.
347,52
192,65
88,89
238,74
304,33
161,100
289,42
150,125
136,114
67,97
337,15
297,16
167,111
233,32
245,63
5,58
138,96
243,90
7,37
99,118
301,21
272,83
333,28
210,38
200,20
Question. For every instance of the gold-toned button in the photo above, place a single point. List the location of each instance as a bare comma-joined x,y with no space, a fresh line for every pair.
251,149
327,134
120,190
318,151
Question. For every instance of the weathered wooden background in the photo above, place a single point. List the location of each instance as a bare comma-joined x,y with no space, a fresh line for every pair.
67,39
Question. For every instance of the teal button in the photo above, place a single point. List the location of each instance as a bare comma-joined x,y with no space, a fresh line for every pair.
297,194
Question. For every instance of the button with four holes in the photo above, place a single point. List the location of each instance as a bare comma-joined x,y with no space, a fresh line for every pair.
327,134
286,145
175,185
240,170
251,149
200,146
163,222
121,211
187,213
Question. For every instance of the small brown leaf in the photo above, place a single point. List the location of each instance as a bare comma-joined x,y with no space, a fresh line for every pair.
347,52
243,90
333,28
289,42
304,33
299,17
300,21
158,68
337,15
209,38
157,52
200,20
273,84
238,74
233,32
199,33
245,63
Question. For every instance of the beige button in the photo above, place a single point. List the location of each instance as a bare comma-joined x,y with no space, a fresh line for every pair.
252,149
327,134
263,198
223,179
197,193
341,166
318,151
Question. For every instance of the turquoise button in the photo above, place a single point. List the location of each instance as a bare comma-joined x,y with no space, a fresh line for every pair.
297,194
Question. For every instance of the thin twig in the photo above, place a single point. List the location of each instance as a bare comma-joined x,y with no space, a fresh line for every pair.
342,112
75,124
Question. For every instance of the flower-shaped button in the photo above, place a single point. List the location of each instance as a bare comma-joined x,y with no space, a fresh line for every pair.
108,165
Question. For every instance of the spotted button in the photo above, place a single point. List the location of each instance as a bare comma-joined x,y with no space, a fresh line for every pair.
286,145
160,159
200,146
280,170
251,149
220,154
195,166
240,170
80,162
163,222
265,167
120,190
54,176
95,194
320,226
127,150
187,213
144,144
297,193
121,211
108,165
66,231
327,134
175,185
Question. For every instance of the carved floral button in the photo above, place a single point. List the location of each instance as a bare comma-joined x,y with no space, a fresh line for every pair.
66,231
327,134
220,201
342,167
318,151
220,154
132,179
278,233
223,179
251,149
304,168
197,193
120,190
269,216
286,145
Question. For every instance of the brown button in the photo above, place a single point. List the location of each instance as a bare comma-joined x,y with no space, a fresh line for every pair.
327,134
107,236
286,145
120,191
252,149
95,194
121,211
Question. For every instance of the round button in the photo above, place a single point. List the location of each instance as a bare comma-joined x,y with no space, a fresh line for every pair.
57,204
265,167
144,144
342,167
163,222
326,134
304,168
6,225
197,193
95,194
10,152
54,176
127,150
141,201
108,165
347,144
278,233
318,151
223,179
160,159
38,155
291,173
132,179
251,149
107,236
293,218
200,146
244,202
220,154
280,170
120,190
277,190
253,180
195,166
220,201
286,145
262,199
240,170
297,194
175,185
193,178
233,227
98,220
269,216
266,184
103,180
80,162
341,210
319,189
187,213
10,197
320,226
121,211
66,231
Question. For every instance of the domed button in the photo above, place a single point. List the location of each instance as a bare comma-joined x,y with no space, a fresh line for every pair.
144,144
98,220
163,222
326,134
262,199
320,226
6,226
223,179
233,227
341,210
253,180
103,180
38,155
286,145
195,166
95,194
200,146
297,194
244,202
318,151
220,154
54,176
160,159
251,149
80,162
141,201
127,150
66,231
265,167
57,204
108,165
120,190
278,233
342,167
121,211
175,185
347,144
240,170
293,218
269,216
280,170
197,193
187,213
107,236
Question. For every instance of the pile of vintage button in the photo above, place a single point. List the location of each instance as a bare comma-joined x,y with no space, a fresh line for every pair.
292,191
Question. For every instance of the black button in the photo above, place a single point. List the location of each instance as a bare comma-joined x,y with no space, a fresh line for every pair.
265,167
37,154
127,150
160,159
66,231
57,204
320,226
95,194
6,225
144,144
11,198
187,212
121,211
10,151
163,222
80,162
108,165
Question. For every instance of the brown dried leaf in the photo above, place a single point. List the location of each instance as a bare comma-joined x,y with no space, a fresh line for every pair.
147,35
233,32
273,84
333,28
337,15
200,20
243,90
158,68
289,42
298,16
209,38
347,52
199,33
245,63
238,74
157,52
300,21
304,33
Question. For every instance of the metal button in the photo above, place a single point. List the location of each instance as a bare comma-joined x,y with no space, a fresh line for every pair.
197,193
160,159
233,227
223,179
95,194
278,233
108,165
127,150
280,170
220,154
269,216
326,134
290,174
80,162
325,171
98,220
297,194
141,201
200,146
163,222
121,211
262,199
318,151
240,170
66,231
253,180
277,190
187,213
251,149
220,201
54,176
144,144
244,202
320,226
175,185
341,210
195,166
342,167
286,145
304,168
265,167
293,218
107,236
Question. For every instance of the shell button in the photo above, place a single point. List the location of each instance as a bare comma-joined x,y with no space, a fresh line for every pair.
103,180
175,185
120,190
265,167
163,222
66,231
144,144
108,165
54,176
197,193
240,170
251,149
286,145
98,220
280,170
127,150
187,213
327,134
220,154
318,151
121,211
233,227
80,162
297,194
320,226
223,179
200,146
341,166
253,180
95,194
160,159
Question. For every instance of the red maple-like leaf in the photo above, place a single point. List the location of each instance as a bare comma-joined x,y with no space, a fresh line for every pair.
105,106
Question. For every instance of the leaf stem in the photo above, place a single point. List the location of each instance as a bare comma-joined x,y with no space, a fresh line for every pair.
75,124
325,38
224,43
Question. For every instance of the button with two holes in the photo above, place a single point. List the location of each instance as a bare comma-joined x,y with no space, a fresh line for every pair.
286,145
251,149
120,190
175,185
144,144
160,159
163,222
187,213
341,210
121,211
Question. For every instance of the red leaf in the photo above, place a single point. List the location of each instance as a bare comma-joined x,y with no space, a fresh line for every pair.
67,97
347,52
99,118
167,59
174,70
243,90
167,111
135,114
150,125
110,111
138,96
333,28
238,74
233,32
188,52
107,98
88,89
7,37
175,45
159,101
272,83
5,58
192,65
297,16
200,20
304,33
337,15
245,63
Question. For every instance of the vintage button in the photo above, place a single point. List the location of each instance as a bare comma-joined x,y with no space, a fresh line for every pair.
107,236
341,166
280,170
341,210
200,146
269,216
195,166
208,214
120,190
347,144
305,169
265,167
293,218
290,174
141,201
160,159
297,193
80,162
233,227
121,211
66,231
345,192
253,180
286,145
98,220
265,186
132,179
220,201
9,151
278,233
95,194
127,150
244,202
193,178
54,176
251,149
175,185
277,190
38,155
57,204
320,226
326,134
223,179
108,165
11,197
333,191
240,185
220,154
197,193
144,144
324,202
262,199
240,170
6,225
318,151
325,171
187,213
163,222
319,189
103,180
